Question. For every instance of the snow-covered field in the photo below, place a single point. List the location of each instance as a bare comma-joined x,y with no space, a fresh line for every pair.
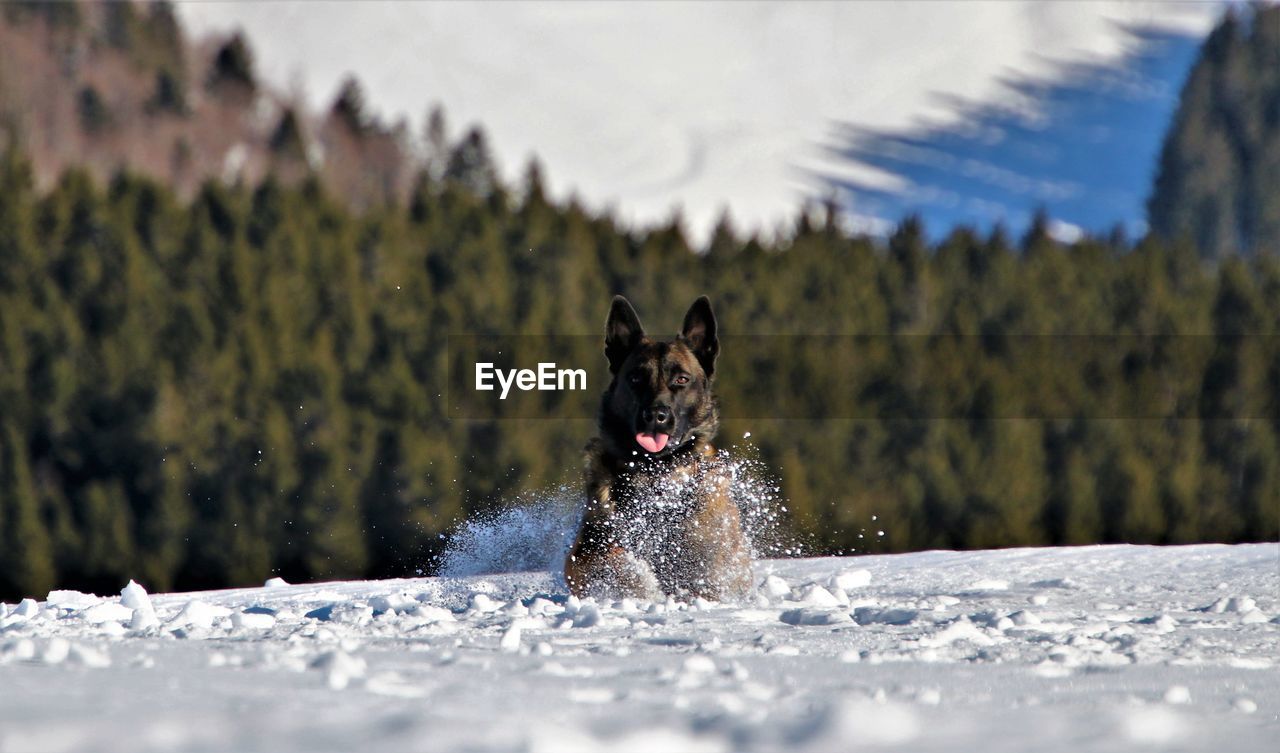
1099,648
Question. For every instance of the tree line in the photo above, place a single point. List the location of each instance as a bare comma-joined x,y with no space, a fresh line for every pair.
208,393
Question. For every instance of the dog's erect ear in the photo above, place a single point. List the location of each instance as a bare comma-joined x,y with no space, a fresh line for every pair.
699,333
622,333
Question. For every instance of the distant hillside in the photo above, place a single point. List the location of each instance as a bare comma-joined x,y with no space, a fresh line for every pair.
1219,176
105,86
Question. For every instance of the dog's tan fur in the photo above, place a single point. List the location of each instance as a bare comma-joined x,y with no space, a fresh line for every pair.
701,549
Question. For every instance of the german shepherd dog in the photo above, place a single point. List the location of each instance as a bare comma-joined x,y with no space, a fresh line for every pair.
659,518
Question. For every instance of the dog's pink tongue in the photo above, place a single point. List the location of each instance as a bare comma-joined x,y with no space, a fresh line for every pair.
652,442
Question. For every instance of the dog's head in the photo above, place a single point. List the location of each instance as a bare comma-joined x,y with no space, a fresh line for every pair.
659,401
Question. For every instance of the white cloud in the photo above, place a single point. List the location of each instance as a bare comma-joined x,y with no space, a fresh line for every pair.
649,106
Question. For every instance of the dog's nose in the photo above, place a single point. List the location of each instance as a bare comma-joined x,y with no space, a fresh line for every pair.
658,414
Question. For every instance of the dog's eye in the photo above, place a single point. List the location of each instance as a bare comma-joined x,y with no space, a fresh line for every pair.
636,377
682,379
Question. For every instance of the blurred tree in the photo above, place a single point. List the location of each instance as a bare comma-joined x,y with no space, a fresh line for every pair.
1217,181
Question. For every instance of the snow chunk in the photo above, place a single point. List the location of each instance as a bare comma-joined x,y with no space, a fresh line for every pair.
196,613
775,587
700,665
1162,623
55,651
1023,618
1178,695
817,596
809,616
27,608
275,583
253,620
991,584
73,600
892,616
1155,725
87,656
960,630
560,739
1066,583
339,667
431,613
510,642
587,615
135,596
483,603
22,649
105,611
143,619
854,724
1234,605
1254,617
398,603
848,580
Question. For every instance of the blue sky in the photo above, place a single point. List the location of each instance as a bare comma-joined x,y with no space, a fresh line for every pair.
1082,144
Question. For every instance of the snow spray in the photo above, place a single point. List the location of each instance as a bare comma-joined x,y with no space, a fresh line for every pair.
535,531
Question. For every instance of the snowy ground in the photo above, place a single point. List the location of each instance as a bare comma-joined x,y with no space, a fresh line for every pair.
1101,648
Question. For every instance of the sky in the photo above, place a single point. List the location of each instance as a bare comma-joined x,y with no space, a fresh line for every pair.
646,108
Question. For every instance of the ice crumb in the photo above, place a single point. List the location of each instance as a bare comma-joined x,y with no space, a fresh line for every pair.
275,583
1245,705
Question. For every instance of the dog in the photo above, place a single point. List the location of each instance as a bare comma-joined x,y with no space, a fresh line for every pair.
659,519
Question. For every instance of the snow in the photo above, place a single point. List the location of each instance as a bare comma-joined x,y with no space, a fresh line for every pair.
649,106
1110,648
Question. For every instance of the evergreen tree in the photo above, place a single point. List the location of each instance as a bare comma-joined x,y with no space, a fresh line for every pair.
1217,182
